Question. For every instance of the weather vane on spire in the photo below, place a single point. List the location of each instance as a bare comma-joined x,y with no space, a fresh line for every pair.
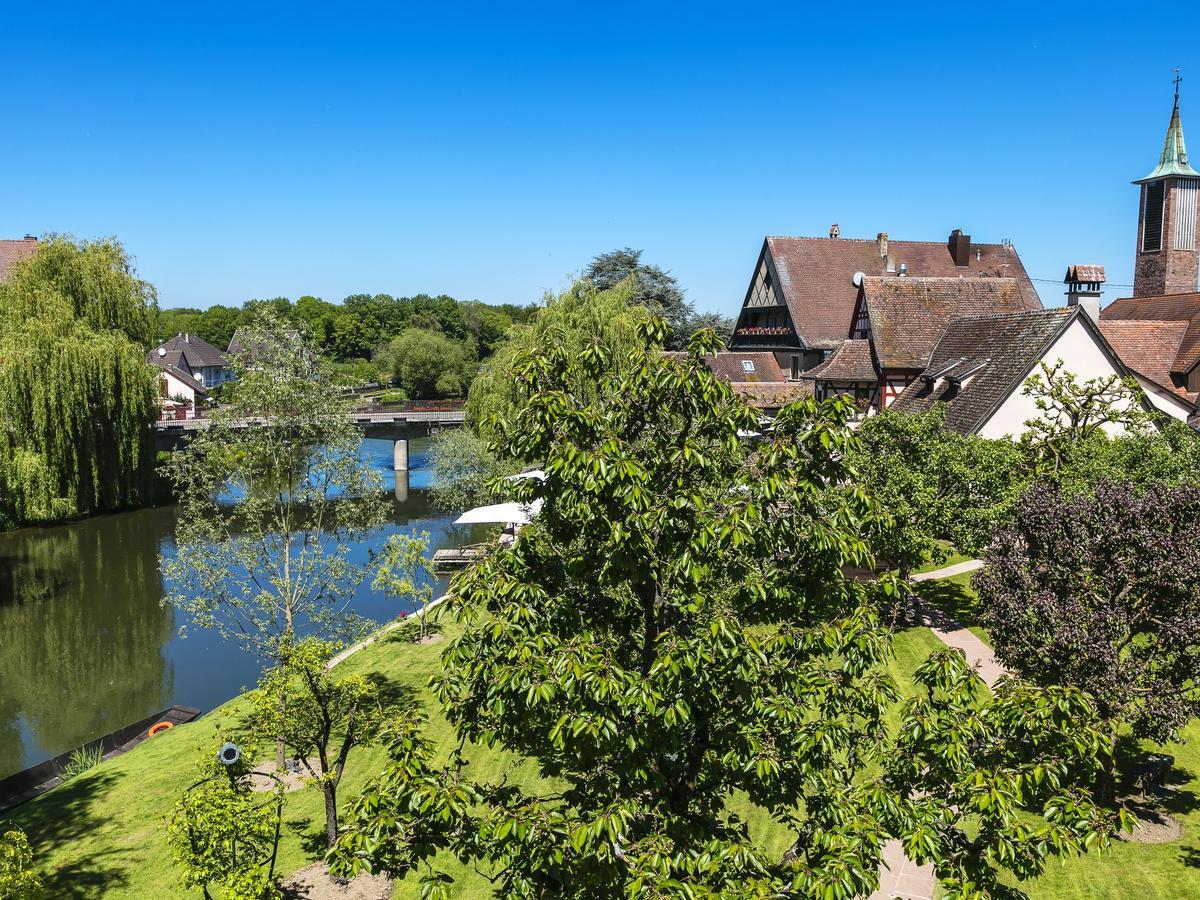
1178,78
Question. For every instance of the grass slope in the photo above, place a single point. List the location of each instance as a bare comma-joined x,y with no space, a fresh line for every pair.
102,834
1131,870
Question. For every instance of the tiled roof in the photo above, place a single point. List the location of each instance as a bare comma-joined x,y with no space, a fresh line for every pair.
1148,347
772,395
730,366
908,315
992,355
1168,308
13,251
816,276
1089,274
850,362
195,352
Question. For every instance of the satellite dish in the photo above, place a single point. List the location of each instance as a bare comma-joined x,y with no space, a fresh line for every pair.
857,278
162,351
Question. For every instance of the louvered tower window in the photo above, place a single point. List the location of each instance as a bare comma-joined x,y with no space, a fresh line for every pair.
1152,216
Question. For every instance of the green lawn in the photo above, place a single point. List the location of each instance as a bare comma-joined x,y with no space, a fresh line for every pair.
1132,870
953,556
102,835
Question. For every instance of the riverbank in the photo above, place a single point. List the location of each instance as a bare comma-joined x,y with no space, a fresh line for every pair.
89,646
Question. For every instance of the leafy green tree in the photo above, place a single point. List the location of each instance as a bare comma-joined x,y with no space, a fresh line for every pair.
76,395
1072,412
1098,591
580,319
406,574
1141,460
272,495
321,718
222,835
18,879
937,487
674,642
465,469
427,364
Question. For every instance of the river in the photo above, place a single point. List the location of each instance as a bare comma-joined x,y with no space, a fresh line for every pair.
86,645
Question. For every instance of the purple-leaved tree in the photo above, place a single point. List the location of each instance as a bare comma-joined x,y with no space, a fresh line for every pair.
1100,592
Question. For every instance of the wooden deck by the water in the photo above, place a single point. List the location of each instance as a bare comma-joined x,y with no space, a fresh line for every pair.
451,559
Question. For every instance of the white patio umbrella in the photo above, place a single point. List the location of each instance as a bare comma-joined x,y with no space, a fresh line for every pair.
502,513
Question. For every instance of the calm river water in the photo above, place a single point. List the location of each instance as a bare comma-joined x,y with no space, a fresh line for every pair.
86,646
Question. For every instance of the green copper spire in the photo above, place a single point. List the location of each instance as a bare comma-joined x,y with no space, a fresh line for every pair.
1174,158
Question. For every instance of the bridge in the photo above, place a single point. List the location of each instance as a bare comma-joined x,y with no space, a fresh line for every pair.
401,423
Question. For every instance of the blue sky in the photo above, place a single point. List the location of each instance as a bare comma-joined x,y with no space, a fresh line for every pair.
487,151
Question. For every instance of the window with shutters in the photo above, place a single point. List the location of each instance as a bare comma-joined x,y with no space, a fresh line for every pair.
1152,216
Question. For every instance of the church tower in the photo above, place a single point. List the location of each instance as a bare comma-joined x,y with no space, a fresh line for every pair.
1166,247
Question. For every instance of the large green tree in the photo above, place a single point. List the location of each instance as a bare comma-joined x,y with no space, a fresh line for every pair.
425,363
674,642
76,395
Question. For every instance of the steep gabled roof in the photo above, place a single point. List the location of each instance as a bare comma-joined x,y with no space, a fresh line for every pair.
1167,308
11,252
187,347
980,361
908,315
815,276
1173,160
850,362
1149,348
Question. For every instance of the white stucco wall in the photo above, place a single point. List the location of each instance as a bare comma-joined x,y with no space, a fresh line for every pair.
1081,354
178,388
1164,401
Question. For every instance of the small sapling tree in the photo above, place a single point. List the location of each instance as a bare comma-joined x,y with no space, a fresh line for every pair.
19,880
321,718
272,495
1099,591
406,574
223,836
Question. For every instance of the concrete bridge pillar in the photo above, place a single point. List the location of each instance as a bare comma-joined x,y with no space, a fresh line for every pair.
402,487
400,456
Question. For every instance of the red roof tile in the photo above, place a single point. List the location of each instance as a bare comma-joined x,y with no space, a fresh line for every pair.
815,276
851,361
1148,347
1170,308
12,252
908,315
731,366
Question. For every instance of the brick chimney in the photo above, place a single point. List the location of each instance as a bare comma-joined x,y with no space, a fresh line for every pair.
882,240
960,247
834,232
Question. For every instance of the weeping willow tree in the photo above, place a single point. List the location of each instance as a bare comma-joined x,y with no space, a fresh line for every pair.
76,394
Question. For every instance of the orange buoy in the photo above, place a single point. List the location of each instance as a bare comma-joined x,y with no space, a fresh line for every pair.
160,727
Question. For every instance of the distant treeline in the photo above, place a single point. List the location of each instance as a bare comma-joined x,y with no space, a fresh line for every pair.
360,325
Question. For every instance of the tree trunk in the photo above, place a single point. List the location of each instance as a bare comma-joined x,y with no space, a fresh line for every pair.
1106,783
331,820
280,748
